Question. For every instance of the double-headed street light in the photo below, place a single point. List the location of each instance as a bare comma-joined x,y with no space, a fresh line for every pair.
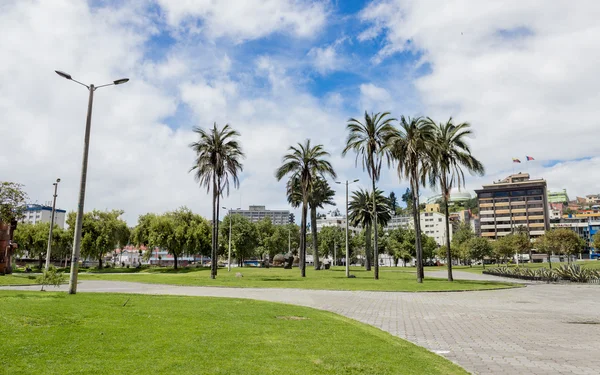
229,256
86,145
49,249
347,219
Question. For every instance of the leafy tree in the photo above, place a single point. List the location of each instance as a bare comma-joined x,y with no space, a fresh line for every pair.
332,241
102,231
596,241
12,201
180,232
460,239
407,198
140,234
244,237
451,154
305,163
504,247
368,141
34,239
218,158
320,194
521,241
479,248
51,277
360,213
265,231
393,201
429,246
563,241
411,148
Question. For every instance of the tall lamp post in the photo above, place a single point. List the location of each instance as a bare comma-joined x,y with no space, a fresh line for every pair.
86,145
49,250
347,219
229,256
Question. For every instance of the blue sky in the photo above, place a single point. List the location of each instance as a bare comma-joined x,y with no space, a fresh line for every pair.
281,71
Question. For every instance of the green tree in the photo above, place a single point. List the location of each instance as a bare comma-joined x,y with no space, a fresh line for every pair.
33,238
407,198
218,158
393,202
320,194
504,247
12,201
180,232
266,231
332,242
411,148
479,248
360,214
596,241
451,155
563,241
245,237
102,231
305,163
140,234
368,141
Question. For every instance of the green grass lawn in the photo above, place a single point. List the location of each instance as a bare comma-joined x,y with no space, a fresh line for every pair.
592,264
18,279
391,279
57,333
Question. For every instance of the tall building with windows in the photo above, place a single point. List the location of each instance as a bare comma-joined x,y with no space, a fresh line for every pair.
433,224
516,201
257,213
37,213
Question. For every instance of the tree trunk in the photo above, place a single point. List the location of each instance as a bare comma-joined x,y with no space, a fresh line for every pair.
41,261
216,263
175,261
417,220
549,260
483,263
530,257
100,262
375,239
368,252
313,225
302,257
448,252
213,250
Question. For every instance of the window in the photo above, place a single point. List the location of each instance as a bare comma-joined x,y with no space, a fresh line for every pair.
439,220
501,194
485,195
534,192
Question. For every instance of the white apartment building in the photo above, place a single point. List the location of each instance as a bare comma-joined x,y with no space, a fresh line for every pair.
432,224
335,221
37,213
257,213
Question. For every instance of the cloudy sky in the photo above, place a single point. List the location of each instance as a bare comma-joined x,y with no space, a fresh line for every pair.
523,73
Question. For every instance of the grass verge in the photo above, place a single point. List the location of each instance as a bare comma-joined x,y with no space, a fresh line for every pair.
20,279
57,333
333,279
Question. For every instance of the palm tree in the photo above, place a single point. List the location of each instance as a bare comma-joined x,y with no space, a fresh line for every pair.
368,140
452,154
320,195
218,155
305,163
410,146
361,215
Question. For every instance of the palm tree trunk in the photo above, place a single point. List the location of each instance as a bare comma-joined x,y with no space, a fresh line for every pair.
303,241
375,248
368,252
416,218
213,251
448,252
313,225
216,265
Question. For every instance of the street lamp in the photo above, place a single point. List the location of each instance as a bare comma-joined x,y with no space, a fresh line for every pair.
86,145
229,256
347,219
49,250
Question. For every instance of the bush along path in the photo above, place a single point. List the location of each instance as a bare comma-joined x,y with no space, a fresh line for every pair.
573,273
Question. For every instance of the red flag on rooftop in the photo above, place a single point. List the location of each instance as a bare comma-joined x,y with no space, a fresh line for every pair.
529,158
515,160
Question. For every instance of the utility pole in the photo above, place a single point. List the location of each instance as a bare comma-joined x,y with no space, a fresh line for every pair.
230,224
49,250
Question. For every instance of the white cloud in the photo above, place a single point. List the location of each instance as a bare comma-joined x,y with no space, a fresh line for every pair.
248,19
522,72
324,59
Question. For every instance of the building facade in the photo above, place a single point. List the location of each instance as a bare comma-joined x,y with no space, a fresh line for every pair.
585,225
257,213
37,213
558,196
511,203
334,221
433,224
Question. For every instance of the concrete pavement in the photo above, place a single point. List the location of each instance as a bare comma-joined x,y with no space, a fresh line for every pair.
539,329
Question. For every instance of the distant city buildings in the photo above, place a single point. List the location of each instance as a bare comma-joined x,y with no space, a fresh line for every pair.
334,221
517,201
257,213
455,197
37,213
432,223
558,196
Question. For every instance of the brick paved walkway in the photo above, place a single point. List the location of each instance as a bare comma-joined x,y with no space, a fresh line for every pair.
540,329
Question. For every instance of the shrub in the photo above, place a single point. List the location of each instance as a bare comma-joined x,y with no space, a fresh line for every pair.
51,277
